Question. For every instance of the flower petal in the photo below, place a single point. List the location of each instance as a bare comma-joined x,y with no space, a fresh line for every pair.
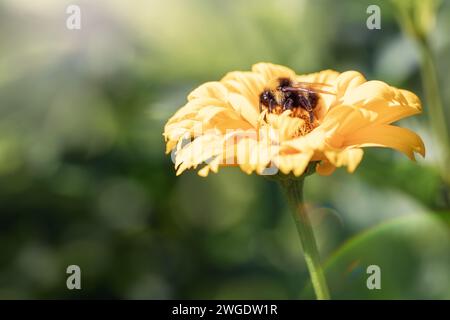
248,84
315,140
346,82
328,77
401,139
350,158
293,162
190,110
391,104
213,89
244,108
271,71
199,116
199,150
346,119
325,168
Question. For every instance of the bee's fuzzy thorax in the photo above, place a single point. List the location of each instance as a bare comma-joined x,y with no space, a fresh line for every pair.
282,94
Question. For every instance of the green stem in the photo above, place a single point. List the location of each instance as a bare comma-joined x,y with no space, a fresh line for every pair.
294,191
435,106
408,19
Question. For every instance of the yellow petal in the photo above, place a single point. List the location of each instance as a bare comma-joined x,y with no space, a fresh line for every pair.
199,150
203,172
347,119
190,110
315,140
213,89
325,168
328,77
244,108
212,166
284,125
295,162
397,105
325,76
198,117
401,139
245,148
350,158
271,71
248,84
391,104
346,82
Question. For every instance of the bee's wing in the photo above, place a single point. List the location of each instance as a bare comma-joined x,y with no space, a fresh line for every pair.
314,87
311,84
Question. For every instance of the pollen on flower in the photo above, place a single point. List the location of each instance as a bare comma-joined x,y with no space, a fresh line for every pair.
298,99
308,125
308,121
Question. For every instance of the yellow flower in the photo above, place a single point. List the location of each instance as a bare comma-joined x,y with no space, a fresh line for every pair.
230,122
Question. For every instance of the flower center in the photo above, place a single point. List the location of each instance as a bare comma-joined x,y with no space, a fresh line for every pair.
283,94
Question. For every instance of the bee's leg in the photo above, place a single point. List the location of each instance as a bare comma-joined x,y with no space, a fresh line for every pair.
261,110
287,105
271,105
307,106
304,103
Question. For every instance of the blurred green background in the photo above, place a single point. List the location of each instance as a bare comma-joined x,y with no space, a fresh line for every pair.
84,179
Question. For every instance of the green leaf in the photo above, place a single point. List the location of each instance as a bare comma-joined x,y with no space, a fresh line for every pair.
413,253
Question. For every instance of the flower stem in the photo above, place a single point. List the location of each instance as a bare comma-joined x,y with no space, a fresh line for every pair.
435,105
417,20
294,192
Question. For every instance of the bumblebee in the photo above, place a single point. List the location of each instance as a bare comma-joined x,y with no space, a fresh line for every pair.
284,94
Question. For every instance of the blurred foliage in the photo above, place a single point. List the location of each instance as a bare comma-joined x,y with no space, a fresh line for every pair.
419,16
346,269
84,179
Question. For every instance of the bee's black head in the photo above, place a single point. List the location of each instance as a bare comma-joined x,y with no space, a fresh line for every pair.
284,82
266,98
